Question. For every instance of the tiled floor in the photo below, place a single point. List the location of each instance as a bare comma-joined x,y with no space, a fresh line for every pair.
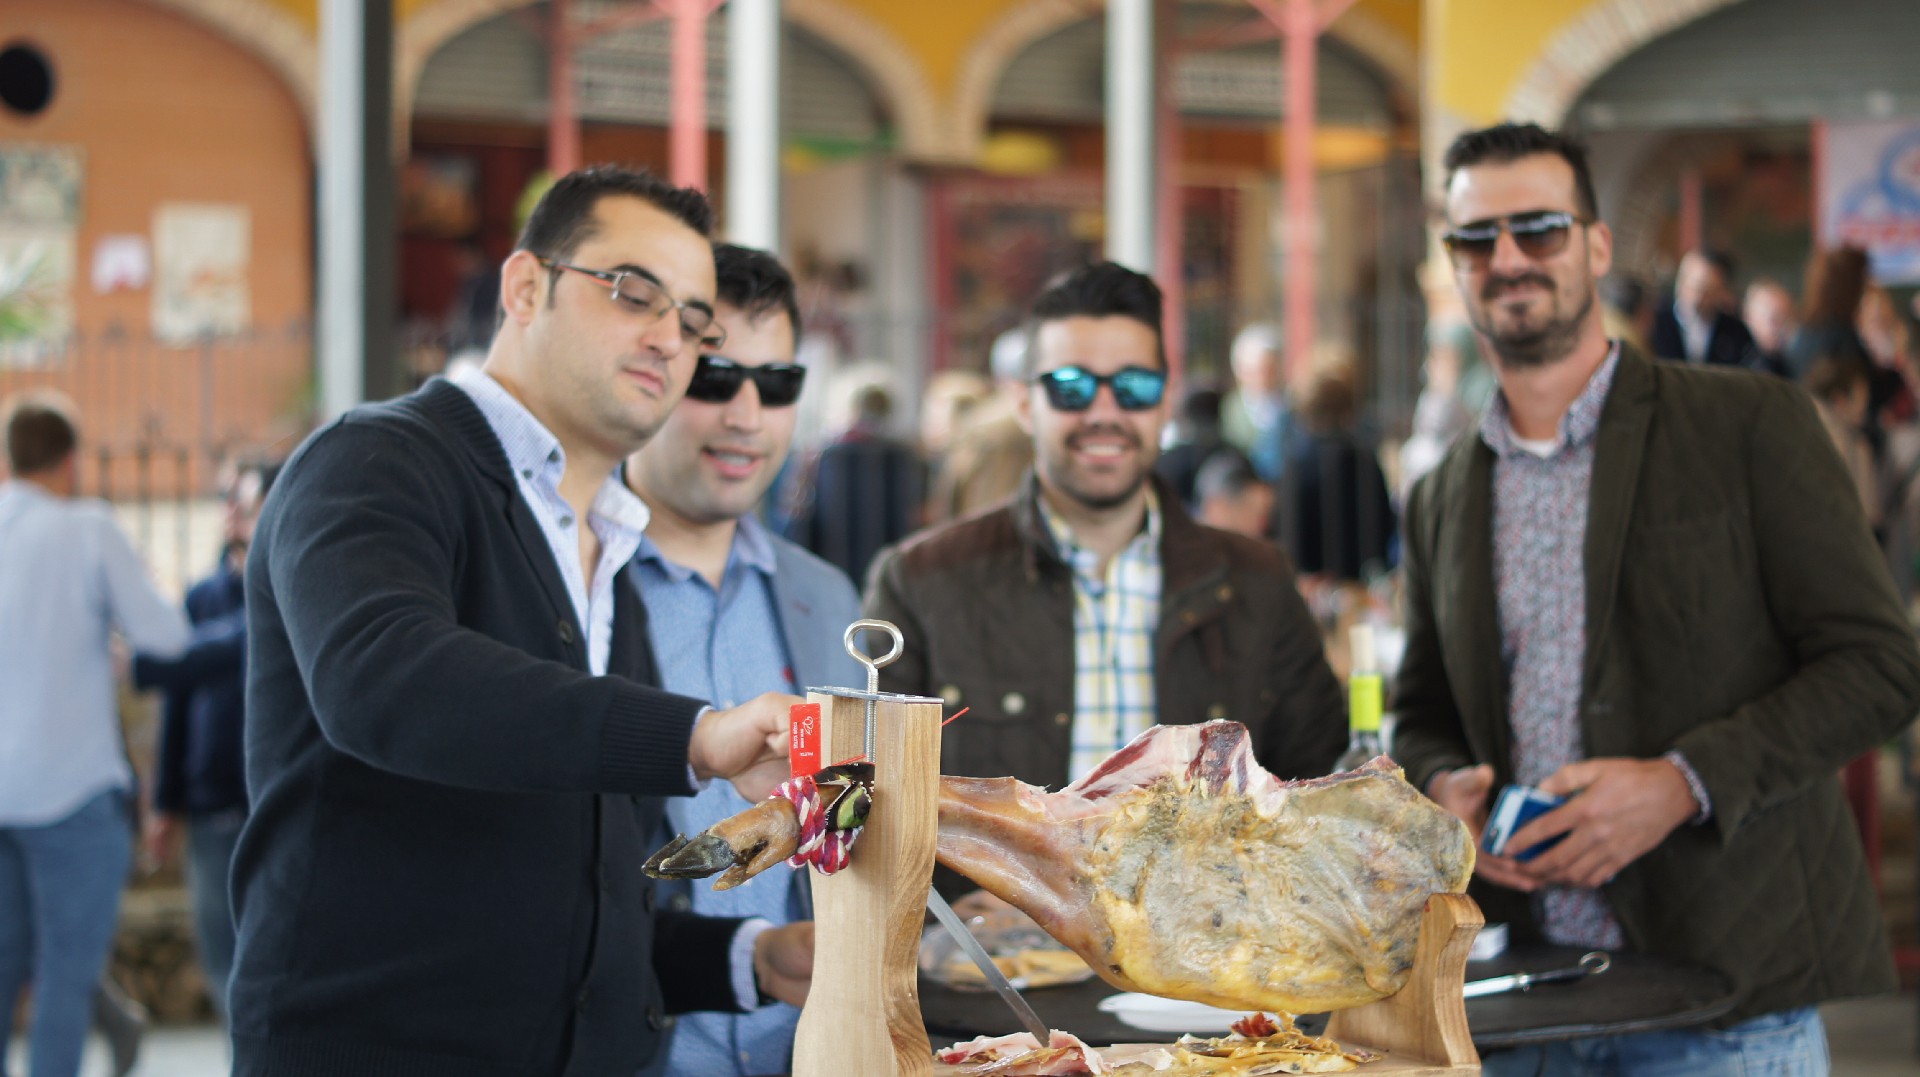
1870,1037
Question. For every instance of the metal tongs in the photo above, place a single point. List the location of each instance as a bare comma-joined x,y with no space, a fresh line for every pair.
1592,964
936,904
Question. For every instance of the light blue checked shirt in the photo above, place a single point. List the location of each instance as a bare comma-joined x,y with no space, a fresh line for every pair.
1114,619
726,646
617,516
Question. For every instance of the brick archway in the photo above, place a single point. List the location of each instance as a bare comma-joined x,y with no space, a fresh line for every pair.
276,38
1585,48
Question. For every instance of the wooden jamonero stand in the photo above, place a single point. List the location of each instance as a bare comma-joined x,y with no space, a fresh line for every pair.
862,1017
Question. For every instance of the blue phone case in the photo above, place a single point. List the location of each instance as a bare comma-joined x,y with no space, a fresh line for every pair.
1516,805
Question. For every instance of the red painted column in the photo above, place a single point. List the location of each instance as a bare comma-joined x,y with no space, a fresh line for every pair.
687,133
1302,231
563,107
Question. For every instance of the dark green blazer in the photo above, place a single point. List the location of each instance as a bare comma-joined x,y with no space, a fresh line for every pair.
1738,611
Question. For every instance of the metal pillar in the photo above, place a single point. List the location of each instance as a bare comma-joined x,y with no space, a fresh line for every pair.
357,347
753,123
563,104
687,133
1132,86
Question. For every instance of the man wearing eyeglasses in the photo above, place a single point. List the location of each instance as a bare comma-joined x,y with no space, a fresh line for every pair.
1648,588
734,610
455,758
1091,605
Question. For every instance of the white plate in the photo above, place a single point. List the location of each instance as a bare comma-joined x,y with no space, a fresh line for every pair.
1157,1014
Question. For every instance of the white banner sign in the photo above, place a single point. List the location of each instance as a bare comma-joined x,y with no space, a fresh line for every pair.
1870,194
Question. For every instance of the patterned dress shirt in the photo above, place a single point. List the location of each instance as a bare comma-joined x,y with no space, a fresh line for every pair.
1114,618
1540,502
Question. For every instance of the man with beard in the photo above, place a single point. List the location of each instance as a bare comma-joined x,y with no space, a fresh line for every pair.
1091,605
1648,588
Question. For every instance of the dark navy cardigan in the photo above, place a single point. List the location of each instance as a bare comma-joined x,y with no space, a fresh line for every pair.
441,874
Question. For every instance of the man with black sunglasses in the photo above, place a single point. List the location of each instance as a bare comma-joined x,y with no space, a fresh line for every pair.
1648,588
735,610
456,756
1091,605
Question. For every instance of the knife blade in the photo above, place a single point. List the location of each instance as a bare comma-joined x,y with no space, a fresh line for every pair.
996,979
1592,964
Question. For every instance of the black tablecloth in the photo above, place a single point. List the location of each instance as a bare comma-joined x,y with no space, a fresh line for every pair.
1638,993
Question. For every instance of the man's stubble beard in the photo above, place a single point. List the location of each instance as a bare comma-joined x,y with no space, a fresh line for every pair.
1545,346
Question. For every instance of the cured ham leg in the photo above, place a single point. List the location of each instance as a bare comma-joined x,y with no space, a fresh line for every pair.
1181,868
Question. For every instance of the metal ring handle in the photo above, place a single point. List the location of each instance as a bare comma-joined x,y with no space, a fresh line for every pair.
873,663
1596,962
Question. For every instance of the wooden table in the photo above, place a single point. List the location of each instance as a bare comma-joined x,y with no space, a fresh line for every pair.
1638,993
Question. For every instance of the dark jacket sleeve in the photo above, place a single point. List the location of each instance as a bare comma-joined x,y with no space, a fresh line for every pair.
1428,736
886,600
690,959
219,649
1857,674
363,559
1309,727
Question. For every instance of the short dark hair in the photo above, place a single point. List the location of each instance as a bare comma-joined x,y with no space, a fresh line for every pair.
1225,473
41,431
755,283
1505,142
1099,290
563,218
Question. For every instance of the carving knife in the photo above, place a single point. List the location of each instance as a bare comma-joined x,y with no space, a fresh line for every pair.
1010,995
1592,964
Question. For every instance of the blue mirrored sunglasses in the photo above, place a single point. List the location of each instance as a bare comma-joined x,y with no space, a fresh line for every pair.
1072,388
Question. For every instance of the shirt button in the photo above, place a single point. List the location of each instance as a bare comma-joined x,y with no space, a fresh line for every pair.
949,694
655,1019
566,631
1216,712
566,521
526,473
1061,718
1013,703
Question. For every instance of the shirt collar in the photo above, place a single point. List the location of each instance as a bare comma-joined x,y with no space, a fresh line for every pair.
533,450
1577,426
1062,534
530,447
752,549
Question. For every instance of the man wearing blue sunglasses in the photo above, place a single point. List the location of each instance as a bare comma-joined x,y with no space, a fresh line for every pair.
1090,605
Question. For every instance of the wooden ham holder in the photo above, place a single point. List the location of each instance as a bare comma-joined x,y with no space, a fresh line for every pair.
862,1017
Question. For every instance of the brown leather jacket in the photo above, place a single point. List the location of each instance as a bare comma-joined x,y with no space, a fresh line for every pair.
986,606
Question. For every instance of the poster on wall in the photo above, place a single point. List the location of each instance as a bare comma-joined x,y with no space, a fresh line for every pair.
1870,194
39,215
200,262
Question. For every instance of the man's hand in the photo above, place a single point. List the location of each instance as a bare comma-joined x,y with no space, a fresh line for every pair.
747,744
1620,808
783,961
1464,793
160,837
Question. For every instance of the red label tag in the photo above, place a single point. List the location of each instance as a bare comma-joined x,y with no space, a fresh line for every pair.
803,731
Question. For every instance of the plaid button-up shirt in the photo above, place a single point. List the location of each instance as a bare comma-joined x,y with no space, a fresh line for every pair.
1114,619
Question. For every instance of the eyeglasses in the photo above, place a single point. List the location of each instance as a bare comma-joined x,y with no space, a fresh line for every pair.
1073,388
718,379
640,294
1540,234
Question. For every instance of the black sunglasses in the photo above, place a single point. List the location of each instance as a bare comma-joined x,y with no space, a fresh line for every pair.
1072,388
1541,234
717,379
